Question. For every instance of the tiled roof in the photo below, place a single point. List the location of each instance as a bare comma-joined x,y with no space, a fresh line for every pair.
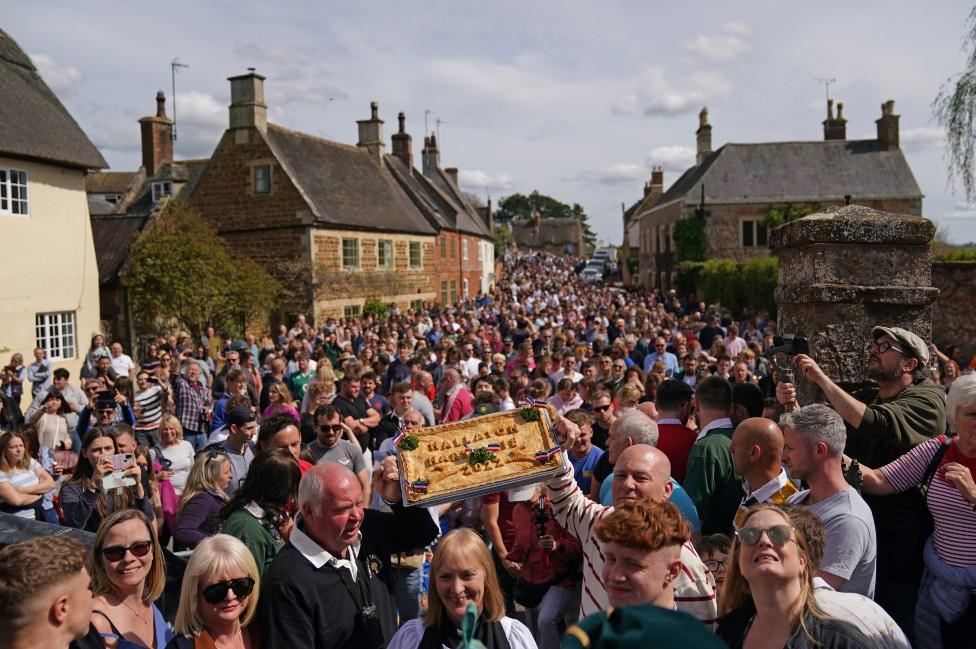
109,182
797,171
33,122
344,186
113,235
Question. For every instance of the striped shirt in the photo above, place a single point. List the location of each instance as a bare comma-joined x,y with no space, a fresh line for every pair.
22,478
955,521
694,590
150,403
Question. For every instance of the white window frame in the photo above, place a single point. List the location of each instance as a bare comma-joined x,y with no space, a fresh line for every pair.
56,334
8,188
464,287
342,251
352,310
161,188
385,253
419,248
480,250
464,249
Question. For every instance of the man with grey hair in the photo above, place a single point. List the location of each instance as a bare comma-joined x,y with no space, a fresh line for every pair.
814,447
330,585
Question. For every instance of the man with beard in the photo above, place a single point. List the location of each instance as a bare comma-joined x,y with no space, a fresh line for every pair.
887,417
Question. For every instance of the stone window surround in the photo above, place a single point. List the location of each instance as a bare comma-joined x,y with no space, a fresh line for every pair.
252,166
8,188
415,255
161,188
346,246
757,229
385,253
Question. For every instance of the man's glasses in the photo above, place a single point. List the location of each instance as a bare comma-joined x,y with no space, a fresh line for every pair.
106,410
93,388
335,428
601,408
778,534
884,346
117,552
216,593
714,565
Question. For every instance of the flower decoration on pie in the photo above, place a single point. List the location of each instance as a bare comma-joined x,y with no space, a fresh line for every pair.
480,455
409,443
529,414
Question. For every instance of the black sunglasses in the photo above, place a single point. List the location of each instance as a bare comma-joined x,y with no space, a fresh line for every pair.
335,428
216,593
213,455
117,552
601,408
778,534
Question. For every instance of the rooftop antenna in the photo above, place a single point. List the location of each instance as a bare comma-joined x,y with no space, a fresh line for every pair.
426,128
826,83
438,122
174,68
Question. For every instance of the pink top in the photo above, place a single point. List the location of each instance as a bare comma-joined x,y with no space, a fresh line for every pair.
273,410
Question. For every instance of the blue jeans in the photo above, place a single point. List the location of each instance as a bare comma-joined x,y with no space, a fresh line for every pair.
406,590
51,516
198,440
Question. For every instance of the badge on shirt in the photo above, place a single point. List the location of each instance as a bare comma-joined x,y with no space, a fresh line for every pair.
373,565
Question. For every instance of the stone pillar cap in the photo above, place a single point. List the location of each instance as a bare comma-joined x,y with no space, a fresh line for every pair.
855,224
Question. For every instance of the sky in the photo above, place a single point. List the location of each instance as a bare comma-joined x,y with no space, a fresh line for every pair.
574,99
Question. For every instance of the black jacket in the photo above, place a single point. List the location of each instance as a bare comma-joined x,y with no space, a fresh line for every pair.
828,633
302,606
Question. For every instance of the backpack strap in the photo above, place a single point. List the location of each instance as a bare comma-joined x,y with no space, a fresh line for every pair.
934,465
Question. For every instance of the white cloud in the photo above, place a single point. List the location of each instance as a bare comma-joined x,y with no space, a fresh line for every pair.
721,47
475,180
962,211
659,96
63,79
115,134
508,84
200,109
916,139
736,27
623,173
673,158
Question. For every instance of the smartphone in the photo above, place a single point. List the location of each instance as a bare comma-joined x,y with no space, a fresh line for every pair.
122,461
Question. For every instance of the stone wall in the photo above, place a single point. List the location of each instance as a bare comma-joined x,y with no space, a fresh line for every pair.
954,312
846,270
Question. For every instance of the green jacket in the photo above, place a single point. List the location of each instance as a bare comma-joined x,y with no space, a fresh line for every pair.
892,427
711,481
258,539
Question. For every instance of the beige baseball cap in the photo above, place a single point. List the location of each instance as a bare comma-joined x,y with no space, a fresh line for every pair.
908,341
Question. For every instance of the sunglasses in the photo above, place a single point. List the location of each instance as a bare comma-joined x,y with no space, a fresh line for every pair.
213,455
601,408
117,552
216,593
335,428
778,534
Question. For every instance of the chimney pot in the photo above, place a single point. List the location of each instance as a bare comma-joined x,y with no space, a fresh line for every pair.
704,134
888,125
247,107
430,155
835,128
371,133
403,143
157,138
160,104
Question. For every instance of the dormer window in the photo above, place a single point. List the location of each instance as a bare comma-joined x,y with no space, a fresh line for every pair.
160,189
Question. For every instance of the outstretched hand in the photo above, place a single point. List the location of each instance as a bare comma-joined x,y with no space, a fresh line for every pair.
390,480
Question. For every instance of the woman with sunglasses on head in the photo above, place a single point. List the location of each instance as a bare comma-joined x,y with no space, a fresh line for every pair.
260,511
23,481
768,597
84,500
198,515
127,575
219,597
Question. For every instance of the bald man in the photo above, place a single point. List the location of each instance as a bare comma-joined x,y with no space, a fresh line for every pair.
757,456
641,473
331,585
458,401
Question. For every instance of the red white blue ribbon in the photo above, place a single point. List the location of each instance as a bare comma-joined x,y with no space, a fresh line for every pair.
545,456
420,486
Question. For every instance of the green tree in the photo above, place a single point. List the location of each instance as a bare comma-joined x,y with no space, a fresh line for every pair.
522,206
179,269
955,110
503,237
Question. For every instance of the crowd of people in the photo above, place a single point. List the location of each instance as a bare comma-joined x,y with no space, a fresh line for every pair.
698,498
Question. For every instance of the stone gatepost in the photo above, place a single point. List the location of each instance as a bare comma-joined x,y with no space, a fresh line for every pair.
845,270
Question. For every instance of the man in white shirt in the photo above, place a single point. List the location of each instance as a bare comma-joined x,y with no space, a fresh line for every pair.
122,363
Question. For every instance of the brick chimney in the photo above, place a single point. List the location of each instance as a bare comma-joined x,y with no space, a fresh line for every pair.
655,186
247,107
157,138
888,125
431,156
403,143
704,134
835,128
452,173
371,133
487,215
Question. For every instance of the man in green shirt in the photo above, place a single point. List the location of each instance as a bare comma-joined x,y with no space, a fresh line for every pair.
710,479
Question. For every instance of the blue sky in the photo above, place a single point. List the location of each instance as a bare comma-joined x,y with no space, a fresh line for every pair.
575,99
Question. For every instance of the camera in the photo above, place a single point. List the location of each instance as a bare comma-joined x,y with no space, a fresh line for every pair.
541,517
790,345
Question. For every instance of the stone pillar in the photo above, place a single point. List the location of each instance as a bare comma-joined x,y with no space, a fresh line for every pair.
846,270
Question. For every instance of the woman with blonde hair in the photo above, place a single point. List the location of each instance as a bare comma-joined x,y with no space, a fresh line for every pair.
627,397
280,401
218,597
177,452
461,573
128,574
768,598
198,514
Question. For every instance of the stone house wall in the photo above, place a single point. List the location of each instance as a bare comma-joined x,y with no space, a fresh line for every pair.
953,321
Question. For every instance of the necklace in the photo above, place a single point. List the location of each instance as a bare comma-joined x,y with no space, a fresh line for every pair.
135,612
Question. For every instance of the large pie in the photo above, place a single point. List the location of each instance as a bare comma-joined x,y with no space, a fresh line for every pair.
478,453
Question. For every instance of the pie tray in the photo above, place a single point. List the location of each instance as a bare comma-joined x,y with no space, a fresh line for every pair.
479,456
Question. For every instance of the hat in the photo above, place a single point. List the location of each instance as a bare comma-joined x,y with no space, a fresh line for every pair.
238,415
105,400
912,344
521,494
641,626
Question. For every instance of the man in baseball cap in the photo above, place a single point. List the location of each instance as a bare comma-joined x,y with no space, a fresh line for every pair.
886,417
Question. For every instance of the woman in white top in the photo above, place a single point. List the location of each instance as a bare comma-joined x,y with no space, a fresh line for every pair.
178,451
50,422
462,573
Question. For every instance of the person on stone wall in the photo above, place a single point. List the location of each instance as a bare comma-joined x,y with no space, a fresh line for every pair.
897,409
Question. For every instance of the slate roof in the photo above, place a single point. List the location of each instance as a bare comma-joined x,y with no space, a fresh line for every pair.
468,220
446,209
113,235
109,182
344,186
797,171
33,123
